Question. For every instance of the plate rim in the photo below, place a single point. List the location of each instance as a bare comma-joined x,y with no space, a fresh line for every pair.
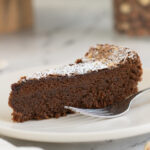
96,136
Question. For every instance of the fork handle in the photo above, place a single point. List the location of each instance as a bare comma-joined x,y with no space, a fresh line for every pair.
138,93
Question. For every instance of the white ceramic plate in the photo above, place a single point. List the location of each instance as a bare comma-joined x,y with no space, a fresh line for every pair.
76,128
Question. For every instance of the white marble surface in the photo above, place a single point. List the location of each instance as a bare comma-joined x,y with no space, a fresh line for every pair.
63,31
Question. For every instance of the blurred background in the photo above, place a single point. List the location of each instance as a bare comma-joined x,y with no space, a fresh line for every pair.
37,33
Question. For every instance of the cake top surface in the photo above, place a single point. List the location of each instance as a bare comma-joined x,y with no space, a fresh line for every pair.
101,56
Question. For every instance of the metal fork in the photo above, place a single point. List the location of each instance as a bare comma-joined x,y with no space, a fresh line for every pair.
112,111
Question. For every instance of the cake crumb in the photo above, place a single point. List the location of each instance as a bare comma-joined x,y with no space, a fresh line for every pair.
78,61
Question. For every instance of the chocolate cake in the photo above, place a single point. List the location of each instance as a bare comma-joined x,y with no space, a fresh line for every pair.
132,17
106,75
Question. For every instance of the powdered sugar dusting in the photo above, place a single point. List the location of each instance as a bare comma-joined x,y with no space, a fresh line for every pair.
90,63
110,54
81,68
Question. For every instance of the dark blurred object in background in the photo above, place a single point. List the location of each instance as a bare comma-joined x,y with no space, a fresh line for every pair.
15,15
132,17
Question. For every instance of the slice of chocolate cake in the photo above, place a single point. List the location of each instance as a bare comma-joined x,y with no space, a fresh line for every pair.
106,75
